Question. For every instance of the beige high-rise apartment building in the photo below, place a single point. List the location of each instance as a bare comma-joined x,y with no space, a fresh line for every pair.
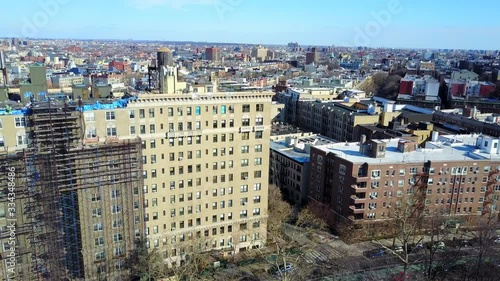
190,172
205,165
69,209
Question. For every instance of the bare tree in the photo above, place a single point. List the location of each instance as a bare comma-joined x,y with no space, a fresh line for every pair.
404,225
288,243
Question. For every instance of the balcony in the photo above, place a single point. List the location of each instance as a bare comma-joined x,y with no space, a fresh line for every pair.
358,200
259,128
177,134
357,209
358,188
245,129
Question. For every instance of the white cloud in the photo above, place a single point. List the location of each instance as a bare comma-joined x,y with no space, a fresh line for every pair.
175,4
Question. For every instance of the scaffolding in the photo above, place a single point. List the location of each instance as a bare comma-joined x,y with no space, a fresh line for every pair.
66,181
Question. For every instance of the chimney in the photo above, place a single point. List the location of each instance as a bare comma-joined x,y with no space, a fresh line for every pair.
362,141
434,136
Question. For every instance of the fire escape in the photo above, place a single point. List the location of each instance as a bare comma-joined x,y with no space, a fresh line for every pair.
493,177
420,185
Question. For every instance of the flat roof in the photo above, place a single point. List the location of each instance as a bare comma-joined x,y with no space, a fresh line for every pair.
448,148
296,153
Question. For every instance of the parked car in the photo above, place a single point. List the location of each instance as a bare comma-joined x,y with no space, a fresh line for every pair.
439,245
398,249
497,240
376,253
284,268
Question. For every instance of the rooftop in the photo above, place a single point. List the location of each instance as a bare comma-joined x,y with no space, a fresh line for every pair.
298,149
446,148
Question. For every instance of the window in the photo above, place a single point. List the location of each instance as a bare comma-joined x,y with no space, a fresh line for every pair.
132,130
258,148
151,113
98,226
244,188
142,113
117,237
100,256
131,114
259,121
99,241
376,174
20,122
198,110
257,187
110,115
96,212
258,161
89,117
152,128
246,108
245,149
188,111
116,209
243,214
115,193
22,139
111,130
259,107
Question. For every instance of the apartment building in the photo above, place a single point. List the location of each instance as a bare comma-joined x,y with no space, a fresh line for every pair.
289,165
363,182
205,159
75,207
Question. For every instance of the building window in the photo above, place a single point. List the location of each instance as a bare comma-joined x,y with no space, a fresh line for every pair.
110,115
246,108
111,131
20,122
245,122
258,161
151,113
22,140
131,114
89,117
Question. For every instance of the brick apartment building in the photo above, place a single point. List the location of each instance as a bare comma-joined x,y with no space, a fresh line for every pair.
365,181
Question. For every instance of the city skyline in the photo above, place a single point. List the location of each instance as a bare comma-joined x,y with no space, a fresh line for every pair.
391,23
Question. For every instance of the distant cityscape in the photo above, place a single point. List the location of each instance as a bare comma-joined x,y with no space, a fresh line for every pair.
157,160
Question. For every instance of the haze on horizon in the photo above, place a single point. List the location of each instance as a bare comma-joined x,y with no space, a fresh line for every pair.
444,24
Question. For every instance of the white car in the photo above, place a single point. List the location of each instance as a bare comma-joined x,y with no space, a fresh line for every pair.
497,240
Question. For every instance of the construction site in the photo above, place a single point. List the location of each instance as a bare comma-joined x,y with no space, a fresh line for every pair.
76,207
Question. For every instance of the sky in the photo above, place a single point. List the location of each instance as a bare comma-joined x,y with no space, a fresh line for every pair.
447,24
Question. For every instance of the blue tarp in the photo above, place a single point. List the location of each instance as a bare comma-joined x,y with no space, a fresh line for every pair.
98,106
24,111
